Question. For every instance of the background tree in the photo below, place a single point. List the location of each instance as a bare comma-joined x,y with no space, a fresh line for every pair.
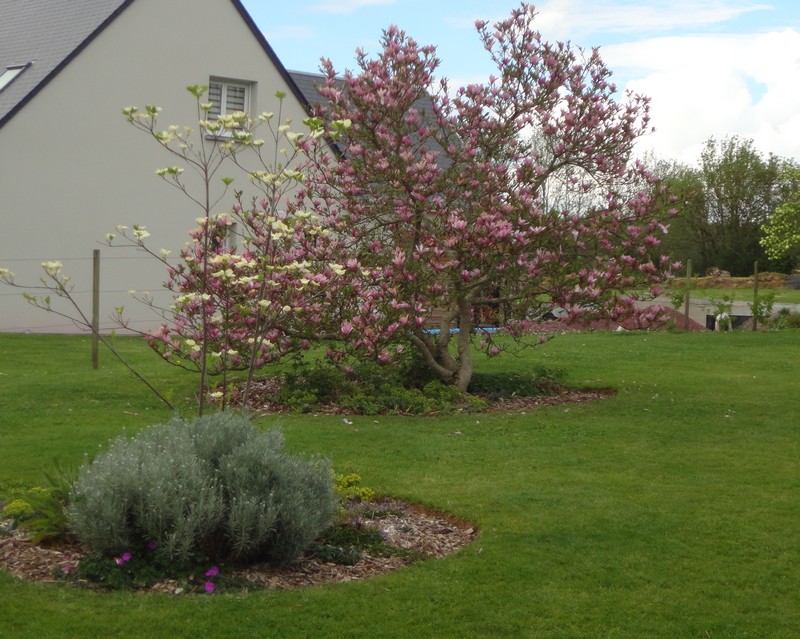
442,208
781,234
742,190
723,204
686,194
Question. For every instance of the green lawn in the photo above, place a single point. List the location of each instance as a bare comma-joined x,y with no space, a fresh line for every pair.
782,295
670,510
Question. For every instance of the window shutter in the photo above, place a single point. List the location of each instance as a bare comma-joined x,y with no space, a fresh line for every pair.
235,99
215,98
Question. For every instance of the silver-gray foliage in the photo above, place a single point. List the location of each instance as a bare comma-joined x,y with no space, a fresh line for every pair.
213,485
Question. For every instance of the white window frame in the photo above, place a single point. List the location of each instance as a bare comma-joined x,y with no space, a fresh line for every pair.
232,236
222,105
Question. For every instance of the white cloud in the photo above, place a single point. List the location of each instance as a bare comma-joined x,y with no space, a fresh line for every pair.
575,19
348,6
716,85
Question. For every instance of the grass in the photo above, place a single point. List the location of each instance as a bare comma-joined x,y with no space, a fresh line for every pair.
740,288
782,295
669,510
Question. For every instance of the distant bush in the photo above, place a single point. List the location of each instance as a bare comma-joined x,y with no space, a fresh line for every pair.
370,389
213,486
393,398
788,319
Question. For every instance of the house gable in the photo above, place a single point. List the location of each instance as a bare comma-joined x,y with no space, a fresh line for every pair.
44,36
72,169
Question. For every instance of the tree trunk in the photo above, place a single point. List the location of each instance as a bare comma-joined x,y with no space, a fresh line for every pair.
456,370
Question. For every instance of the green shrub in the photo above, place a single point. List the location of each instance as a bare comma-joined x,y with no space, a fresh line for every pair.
18,510
213,485
762,306
310,385
348,488
368,388
790,320
41,511
48,524
435,397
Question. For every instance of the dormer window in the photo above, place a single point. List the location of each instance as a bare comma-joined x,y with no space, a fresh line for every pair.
8,74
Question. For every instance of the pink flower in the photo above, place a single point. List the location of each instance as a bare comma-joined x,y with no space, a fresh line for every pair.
347,328
212,572
123,559
209,586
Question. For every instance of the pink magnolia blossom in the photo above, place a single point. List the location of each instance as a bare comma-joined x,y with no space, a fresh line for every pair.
459,186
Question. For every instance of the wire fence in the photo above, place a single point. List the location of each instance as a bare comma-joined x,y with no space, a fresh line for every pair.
16,315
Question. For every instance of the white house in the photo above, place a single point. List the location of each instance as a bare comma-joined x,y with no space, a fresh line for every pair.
72,168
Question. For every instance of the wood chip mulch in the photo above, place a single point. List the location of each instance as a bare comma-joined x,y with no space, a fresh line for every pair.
24,559
564,396
424,531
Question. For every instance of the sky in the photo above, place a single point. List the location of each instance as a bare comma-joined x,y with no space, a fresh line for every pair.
711,68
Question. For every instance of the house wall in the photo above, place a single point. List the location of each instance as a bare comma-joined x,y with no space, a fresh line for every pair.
72,168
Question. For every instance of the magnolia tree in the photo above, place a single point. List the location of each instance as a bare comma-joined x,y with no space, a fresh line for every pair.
438,204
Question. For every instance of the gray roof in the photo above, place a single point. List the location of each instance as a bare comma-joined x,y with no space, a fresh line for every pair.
308,83
47,34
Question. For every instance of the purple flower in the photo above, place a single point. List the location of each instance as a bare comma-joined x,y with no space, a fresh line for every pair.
212,572
123,559
151,545
209,586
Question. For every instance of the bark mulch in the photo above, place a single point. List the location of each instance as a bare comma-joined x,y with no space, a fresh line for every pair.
424,531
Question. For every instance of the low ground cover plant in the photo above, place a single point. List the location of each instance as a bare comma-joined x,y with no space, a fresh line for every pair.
369,389
40,510
366,388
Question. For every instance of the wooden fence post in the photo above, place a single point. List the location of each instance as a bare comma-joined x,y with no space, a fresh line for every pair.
95,308
755,295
